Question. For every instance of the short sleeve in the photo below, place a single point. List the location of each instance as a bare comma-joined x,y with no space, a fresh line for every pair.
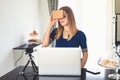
83,41
53,33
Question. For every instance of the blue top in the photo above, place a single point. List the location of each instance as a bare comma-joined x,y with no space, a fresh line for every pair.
79,39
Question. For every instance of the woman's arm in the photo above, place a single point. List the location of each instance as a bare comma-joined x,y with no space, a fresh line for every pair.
46,37
84,59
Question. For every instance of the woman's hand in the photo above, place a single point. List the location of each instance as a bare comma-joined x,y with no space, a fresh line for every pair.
46,37
52,22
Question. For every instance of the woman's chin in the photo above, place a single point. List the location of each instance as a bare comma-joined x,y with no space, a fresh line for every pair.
64,24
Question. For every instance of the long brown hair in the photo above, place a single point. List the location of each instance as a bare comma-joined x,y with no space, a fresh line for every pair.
71,22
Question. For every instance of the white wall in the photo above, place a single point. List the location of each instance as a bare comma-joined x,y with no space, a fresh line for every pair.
44,16
94,17
17,19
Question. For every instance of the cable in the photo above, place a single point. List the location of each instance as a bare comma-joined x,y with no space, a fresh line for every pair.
95,73
19,58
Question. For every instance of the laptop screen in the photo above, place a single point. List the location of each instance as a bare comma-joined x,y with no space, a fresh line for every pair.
59,61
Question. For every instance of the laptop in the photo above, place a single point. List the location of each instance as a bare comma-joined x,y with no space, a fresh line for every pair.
59,61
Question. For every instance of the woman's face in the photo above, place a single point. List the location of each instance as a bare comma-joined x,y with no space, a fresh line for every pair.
64,21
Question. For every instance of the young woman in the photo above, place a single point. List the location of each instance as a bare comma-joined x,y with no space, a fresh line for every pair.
67,34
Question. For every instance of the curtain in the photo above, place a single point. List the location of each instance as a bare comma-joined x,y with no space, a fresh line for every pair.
52,5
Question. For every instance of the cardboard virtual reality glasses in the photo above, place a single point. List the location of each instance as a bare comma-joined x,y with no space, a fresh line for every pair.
57,14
